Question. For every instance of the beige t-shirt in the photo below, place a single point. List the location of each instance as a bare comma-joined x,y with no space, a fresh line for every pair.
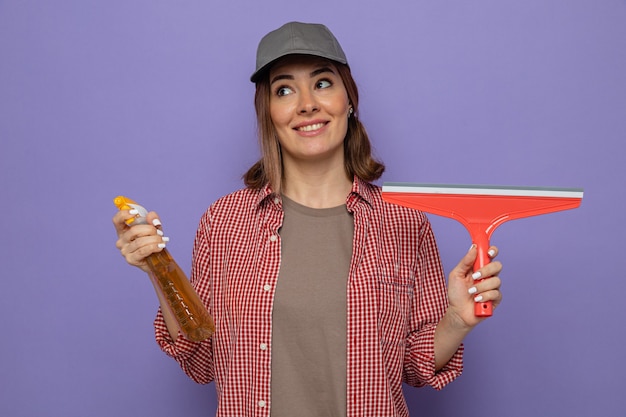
309,316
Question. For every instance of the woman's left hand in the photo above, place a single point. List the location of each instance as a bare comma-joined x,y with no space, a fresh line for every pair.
467,287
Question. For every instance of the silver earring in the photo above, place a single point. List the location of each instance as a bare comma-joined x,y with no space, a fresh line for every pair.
350,111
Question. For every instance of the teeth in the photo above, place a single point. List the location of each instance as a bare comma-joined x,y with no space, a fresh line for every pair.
310,128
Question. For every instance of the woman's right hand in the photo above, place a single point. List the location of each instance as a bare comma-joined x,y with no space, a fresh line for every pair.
138,242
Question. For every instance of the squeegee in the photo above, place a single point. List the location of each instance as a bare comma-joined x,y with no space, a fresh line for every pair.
481,209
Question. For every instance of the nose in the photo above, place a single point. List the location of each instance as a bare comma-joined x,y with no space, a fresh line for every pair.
308,102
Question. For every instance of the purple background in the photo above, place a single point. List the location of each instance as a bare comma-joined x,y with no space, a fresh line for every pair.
151,99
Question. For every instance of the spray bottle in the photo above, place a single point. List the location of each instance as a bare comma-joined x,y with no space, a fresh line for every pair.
181,299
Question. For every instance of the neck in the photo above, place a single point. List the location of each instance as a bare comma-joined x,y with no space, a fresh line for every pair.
317,188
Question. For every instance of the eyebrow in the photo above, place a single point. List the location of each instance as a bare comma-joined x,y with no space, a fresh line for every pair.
312,74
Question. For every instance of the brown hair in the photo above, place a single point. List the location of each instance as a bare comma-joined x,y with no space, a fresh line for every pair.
358,159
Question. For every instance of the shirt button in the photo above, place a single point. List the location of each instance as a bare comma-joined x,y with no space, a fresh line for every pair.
276,200
273,238
261,403
263,346
267,287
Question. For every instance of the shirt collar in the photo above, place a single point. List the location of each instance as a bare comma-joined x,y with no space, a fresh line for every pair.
265,192
361,190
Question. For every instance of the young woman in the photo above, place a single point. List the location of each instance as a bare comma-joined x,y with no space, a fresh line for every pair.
325,297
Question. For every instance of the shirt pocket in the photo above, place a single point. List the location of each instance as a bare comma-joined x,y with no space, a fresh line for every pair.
396,287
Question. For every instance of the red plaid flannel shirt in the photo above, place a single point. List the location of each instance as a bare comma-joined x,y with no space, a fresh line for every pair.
396,296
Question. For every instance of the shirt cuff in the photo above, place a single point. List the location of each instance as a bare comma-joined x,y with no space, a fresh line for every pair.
180,349
420,356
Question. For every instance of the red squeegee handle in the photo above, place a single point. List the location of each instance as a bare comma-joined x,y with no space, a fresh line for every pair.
485,308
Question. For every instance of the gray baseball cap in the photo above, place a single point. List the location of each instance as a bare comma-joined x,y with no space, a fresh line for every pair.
297,38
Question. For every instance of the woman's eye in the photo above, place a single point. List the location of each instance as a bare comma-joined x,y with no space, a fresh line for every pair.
323,84
283,91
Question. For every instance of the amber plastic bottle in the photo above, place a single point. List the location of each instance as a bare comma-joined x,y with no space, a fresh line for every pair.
182,300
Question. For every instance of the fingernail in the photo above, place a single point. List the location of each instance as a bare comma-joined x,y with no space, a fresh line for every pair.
156,222
472,290
491,253
159,232
133,212
478,298
477,275
165,239
472,247
161,245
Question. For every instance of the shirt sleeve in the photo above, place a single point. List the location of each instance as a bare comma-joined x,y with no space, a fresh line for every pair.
195,358
429,305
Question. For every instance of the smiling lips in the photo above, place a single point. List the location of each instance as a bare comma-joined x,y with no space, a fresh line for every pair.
311,127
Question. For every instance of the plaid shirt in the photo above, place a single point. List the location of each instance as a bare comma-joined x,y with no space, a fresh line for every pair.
396,295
